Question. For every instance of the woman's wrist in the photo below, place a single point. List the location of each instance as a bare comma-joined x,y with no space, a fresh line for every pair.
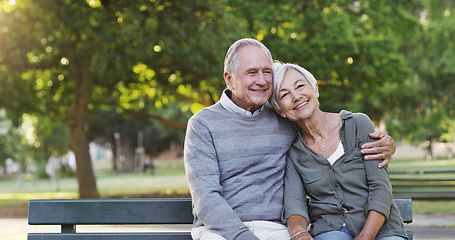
297,234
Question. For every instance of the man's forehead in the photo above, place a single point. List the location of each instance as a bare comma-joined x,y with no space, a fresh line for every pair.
253,57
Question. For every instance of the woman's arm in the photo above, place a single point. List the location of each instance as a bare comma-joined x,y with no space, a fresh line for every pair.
297,226
380,198
372,225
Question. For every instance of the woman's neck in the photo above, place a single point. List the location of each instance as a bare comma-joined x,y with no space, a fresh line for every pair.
321,132
314,127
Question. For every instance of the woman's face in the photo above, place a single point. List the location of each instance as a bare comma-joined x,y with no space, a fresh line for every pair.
296,97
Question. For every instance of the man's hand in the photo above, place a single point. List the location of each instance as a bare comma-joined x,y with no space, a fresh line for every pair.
382,149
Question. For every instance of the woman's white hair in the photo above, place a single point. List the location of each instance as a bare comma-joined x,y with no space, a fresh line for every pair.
279,70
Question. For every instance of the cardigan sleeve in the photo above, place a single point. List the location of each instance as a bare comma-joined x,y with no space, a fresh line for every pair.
380,196
295,202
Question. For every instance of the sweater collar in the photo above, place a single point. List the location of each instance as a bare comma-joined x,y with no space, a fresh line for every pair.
228,104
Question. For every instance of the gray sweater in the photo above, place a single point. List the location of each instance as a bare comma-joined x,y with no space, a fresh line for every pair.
342,193
235,163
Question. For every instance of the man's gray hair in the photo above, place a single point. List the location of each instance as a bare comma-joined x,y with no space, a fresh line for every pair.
279,70
231,62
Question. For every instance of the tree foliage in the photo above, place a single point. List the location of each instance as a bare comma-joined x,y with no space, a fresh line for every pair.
11,141
101,67
72,58
426,110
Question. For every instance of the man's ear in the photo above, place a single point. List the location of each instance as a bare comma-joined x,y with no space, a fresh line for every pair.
228,79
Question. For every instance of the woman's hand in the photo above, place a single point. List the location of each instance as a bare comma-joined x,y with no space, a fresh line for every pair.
374,222
363,237
303,236
382,149
297,226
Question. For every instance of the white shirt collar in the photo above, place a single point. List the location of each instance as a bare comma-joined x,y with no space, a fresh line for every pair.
227,103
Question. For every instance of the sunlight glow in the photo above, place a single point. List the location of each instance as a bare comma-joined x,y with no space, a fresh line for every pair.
94,3
65,61
12,2
157,48
28,125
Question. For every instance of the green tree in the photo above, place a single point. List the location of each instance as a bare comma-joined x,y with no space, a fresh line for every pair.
347,45
12,142
65,59
155,136
426,107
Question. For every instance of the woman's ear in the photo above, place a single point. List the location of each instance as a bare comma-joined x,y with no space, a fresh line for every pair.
279,112
317,90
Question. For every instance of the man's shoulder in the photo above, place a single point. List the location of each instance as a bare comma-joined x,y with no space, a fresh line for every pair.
208,111
209,114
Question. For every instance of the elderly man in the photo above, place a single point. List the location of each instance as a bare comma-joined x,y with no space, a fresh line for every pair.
235,153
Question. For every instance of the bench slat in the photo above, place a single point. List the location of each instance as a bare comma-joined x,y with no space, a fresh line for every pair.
110,211
109,236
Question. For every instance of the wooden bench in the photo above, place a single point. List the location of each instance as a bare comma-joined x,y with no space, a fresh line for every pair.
70,213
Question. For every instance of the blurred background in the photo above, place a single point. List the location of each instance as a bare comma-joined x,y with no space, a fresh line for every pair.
95,94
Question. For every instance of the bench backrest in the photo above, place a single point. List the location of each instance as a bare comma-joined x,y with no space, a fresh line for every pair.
110,211
69,213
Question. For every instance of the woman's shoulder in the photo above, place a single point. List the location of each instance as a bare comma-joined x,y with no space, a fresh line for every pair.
358,117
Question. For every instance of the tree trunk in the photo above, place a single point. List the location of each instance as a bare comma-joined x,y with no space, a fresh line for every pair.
128,155
429,150
78,125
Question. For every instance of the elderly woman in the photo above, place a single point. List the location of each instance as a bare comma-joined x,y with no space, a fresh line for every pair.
349,198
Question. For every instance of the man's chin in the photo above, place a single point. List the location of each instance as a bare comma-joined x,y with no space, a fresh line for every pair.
260,102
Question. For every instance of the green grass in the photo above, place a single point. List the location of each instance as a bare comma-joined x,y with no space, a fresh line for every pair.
420,164
433,206
170,178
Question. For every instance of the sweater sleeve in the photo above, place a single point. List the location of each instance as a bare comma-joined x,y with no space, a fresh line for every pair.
380,196
203,174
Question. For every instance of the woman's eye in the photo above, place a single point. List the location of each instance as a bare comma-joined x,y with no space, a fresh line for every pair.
284,95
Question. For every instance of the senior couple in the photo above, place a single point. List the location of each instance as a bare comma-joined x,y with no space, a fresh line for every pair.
251,164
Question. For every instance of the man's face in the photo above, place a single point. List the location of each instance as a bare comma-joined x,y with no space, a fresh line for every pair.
252,84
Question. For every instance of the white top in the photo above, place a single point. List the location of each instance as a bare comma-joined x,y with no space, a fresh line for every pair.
337,154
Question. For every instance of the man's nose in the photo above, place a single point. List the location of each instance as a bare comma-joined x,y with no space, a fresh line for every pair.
261,80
